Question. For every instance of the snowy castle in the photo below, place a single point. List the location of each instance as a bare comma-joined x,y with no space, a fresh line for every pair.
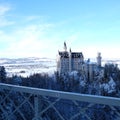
68,61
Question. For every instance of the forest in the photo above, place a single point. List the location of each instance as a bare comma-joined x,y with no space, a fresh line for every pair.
107,85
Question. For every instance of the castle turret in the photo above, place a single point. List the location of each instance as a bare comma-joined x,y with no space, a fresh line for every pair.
99,59
70,60
65,47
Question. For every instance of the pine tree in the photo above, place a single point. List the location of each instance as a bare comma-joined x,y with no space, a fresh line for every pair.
2,74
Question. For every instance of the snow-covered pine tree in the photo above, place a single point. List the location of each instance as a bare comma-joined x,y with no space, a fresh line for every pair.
2,74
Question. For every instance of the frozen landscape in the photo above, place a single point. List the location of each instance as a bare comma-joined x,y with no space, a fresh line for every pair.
28,66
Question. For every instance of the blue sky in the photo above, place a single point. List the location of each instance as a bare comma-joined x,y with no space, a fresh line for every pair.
38,28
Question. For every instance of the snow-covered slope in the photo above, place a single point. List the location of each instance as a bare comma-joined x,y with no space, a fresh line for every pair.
28,66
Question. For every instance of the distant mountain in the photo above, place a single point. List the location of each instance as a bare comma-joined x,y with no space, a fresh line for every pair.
28,66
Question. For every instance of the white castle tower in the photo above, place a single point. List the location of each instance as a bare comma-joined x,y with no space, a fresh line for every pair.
65,47
68,61
99,58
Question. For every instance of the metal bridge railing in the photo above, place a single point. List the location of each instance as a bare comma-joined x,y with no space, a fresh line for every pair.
27,103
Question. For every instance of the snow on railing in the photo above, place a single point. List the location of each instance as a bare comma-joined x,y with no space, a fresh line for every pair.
42,104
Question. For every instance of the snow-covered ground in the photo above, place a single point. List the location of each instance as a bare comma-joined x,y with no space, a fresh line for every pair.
28,66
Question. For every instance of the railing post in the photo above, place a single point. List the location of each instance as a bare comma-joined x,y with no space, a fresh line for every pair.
37,108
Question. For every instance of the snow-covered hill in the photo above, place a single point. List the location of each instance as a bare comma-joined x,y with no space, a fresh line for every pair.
28,66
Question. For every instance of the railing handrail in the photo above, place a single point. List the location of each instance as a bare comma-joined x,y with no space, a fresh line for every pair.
63,95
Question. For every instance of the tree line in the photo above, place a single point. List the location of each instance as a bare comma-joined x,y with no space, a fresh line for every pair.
107,85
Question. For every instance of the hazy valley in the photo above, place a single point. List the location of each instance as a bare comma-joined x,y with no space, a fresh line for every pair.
28,66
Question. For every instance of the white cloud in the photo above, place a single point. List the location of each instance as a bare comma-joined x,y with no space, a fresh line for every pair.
27,38
35,17
31,36
4,22
4,9
24,40
108,52
29,41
